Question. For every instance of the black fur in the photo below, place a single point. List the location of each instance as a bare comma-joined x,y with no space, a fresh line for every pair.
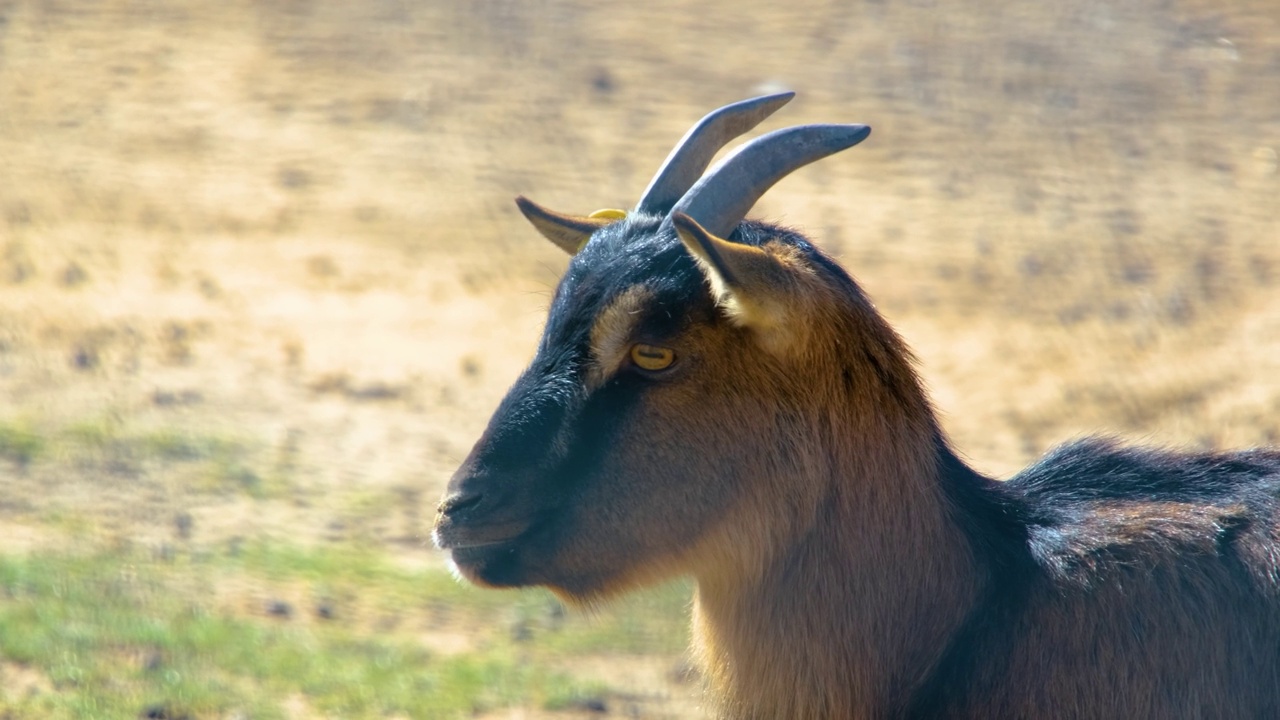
1045,531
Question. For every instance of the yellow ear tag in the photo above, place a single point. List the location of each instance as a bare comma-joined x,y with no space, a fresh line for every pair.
609,214
605,214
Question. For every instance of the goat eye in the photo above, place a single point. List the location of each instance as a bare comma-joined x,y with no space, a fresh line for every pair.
652,357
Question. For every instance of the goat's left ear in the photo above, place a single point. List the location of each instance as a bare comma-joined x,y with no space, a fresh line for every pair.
754,287
569,232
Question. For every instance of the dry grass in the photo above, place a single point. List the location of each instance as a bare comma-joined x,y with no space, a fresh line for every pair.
259,267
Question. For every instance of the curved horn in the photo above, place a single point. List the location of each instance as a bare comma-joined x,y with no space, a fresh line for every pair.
722,198
693,153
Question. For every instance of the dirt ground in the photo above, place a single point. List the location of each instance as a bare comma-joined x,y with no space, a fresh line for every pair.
288,226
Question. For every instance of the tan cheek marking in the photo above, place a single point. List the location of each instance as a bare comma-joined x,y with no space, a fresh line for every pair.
611,333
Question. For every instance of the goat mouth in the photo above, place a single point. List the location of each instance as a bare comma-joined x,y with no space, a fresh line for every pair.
477,555
451,534
454,545
489,554
494,565
455,542
498,562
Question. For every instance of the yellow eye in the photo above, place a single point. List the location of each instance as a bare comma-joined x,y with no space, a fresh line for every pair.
652,357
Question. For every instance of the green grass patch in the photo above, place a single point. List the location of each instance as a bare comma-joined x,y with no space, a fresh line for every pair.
652,621
115,635
19,442
108,440
209,461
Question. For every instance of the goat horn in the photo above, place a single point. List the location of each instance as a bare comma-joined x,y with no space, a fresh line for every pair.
693,153
722,198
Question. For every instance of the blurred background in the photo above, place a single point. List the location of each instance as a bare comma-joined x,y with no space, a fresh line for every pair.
262,282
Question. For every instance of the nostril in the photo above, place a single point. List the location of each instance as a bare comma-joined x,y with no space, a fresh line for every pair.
460,502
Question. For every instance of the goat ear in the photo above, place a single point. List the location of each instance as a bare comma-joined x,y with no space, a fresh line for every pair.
569,232
753,286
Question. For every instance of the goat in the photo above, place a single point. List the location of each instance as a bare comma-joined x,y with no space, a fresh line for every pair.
715,397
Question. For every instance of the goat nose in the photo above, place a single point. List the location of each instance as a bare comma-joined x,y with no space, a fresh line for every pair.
459,502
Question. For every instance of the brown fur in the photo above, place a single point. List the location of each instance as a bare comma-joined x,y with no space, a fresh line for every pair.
773,638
